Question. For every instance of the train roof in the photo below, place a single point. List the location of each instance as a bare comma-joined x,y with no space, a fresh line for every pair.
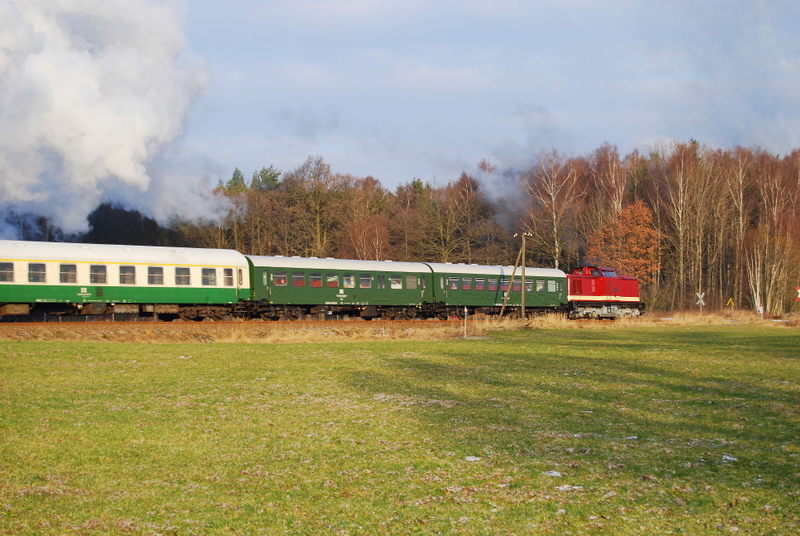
505,271
337,264
103,253
390,266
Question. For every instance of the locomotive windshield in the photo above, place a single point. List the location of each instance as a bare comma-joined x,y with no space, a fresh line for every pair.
609,273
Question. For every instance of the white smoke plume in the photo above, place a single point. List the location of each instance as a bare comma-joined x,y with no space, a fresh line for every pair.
93,97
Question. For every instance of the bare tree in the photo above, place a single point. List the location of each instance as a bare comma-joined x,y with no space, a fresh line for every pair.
444,238
366,229
407,224
771,244
610,178
318,193
737,178
367,238
555,192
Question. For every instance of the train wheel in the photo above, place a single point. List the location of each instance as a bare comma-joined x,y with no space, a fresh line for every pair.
190,313
221,315
409,314
294,314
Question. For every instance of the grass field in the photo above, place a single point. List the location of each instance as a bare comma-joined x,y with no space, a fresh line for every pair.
645,430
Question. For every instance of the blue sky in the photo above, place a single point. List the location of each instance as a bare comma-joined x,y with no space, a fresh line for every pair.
147,103
404,89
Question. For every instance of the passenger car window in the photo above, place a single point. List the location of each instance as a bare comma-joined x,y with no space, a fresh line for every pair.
396,282
332,280
68,273
365,281
155,275
280,279
411,282
37,272
182,276
315,280
209,277
228,275
7,271
480,283
349,281
97,274
127,275
298,279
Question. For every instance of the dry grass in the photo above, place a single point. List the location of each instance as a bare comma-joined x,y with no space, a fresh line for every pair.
324,332
235,332
657,319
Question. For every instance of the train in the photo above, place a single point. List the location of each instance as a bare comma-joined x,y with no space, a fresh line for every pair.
40,279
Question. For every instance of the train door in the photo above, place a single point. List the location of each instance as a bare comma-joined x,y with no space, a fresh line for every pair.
260,284
381,293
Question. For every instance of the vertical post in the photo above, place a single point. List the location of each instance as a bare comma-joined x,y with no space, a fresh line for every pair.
700,301
522,290
732,305
465,321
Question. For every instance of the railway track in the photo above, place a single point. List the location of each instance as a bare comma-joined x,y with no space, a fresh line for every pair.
87,320
230,331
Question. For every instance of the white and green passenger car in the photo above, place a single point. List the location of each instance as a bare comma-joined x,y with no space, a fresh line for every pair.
64,278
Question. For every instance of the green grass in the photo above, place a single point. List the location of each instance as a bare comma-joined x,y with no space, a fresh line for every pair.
652,431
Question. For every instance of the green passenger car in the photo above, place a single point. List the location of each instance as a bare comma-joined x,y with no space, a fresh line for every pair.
64,278
291,287
484,289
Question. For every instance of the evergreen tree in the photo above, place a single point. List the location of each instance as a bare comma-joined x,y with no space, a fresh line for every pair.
265,180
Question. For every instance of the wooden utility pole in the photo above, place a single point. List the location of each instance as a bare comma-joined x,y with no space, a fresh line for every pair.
524,287
517,263
510,285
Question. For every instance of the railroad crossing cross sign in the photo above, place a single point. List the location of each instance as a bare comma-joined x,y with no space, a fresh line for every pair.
798,293
700,296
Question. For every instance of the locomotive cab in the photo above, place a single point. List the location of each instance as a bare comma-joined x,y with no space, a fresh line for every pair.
598,292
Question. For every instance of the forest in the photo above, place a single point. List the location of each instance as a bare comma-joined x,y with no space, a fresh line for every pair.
684,219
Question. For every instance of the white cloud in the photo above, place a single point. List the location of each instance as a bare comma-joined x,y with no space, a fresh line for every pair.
92,92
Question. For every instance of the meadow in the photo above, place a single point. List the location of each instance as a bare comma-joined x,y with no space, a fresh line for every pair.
621,430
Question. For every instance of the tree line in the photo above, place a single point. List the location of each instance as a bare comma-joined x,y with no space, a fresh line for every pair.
684,219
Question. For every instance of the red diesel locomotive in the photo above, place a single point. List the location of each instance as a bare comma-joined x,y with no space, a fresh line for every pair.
596,292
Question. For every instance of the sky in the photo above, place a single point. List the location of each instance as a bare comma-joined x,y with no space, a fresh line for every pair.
148,102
